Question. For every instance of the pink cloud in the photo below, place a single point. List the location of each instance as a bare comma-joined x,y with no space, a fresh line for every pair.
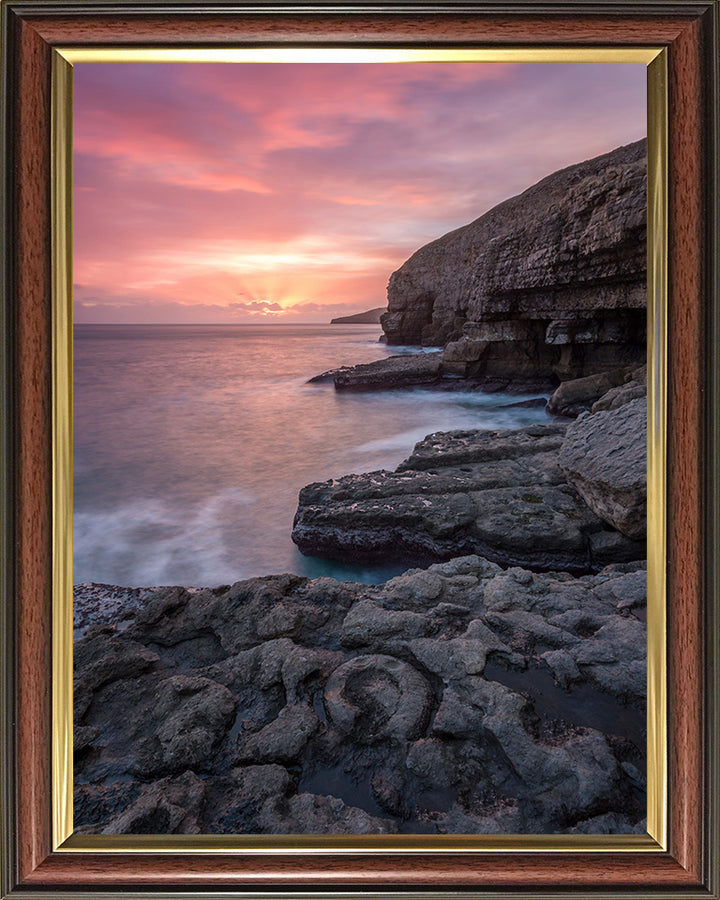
310,183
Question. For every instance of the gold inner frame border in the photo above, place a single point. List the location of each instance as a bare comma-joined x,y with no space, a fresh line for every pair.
656,838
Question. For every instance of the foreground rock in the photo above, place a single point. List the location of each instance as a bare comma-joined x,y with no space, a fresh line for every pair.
458,699
91,602
500,494
549,284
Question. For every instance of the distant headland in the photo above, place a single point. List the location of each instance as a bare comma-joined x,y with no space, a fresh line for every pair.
370,317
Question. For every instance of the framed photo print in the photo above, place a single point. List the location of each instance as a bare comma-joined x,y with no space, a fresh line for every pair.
360,449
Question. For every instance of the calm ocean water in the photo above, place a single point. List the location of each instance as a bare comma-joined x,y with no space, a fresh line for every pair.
192,442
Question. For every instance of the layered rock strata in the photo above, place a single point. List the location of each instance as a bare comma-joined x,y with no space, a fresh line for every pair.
458,699
500,494
551,283
409,370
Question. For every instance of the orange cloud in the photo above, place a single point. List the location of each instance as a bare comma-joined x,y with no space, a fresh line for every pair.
307,185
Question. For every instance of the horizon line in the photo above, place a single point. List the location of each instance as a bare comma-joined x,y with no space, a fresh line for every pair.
193,324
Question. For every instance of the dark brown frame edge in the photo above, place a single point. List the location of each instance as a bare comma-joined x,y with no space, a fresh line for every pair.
689,30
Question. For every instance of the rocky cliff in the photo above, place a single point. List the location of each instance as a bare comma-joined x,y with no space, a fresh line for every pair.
549,283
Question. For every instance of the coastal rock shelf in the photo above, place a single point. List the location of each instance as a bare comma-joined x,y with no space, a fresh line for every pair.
386,374
548,284
500,494
457,699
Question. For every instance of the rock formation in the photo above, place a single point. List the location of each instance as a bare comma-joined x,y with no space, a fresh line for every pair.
604,457
546,497
409,370
458,699
500,494
549,284
462,698
606,390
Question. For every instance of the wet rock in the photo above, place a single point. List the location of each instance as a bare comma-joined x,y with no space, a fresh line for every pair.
624,590
303,664
83,735
487,714
106,604
395,371
565,775
368,624
581,628
458,657
615,658
314,814
499,817
388,790
96,804
169,806
102,656
604,457
534,447
152,725
235,801
283,739
563,666
433,761
418,588
196,713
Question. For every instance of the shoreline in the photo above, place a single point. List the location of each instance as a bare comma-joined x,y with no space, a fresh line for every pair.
464,697
245,693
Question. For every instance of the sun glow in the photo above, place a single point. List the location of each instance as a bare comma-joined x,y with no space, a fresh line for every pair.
292,192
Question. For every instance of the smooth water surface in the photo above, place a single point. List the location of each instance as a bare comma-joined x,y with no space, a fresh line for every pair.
192,442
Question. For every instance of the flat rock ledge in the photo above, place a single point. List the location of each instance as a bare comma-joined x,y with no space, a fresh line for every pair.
432,370
410,370
457,699
499,494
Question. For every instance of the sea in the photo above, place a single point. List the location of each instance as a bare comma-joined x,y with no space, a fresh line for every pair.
191,443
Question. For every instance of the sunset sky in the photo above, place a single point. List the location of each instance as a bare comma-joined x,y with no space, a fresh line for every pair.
210,192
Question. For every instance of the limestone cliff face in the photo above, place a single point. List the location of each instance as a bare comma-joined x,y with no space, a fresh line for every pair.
554,278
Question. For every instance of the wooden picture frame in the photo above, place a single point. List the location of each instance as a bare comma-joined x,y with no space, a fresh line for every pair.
688,866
